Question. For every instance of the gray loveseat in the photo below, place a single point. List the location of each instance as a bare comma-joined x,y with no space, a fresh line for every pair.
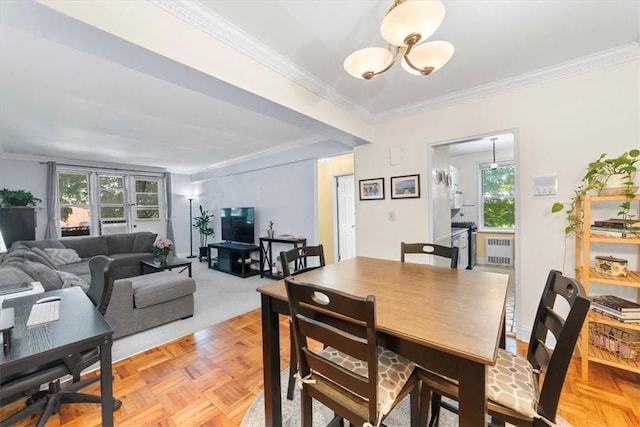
137,302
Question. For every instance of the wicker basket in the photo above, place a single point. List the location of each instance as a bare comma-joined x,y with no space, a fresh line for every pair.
623,343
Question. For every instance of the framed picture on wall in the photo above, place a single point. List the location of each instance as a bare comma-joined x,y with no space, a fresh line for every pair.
405,187
372,189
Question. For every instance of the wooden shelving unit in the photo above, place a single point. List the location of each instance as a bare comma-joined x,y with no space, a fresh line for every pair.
587,275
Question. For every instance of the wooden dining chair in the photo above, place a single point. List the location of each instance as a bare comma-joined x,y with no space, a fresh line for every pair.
513,384
296,261
354,377
430,249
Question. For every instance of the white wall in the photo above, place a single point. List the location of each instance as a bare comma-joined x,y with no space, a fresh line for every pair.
30,176
561,126
284,194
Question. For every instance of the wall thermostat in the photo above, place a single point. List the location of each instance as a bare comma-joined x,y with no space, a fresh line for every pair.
545,185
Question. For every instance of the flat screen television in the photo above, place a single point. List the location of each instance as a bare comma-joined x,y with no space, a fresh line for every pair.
238,224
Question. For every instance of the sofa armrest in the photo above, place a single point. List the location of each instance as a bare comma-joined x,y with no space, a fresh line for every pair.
120,310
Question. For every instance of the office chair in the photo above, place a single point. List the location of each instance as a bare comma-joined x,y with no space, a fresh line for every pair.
513,384
430,249
28,383
354,377
295,261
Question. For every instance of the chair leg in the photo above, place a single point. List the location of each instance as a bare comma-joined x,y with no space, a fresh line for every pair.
414,405
293,366
306,415
436,400
425,396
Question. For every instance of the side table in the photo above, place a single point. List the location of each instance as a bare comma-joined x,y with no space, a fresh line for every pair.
152,266
266,252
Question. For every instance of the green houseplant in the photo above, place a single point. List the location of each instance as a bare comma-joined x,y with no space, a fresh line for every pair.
605,176
18,198
202,223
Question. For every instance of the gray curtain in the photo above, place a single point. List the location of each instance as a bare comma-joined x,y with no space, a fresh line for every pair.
167,186
51,231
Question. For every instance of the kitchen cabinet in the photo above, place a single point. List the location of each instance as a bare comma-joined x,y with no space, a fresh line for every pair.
587,275
460,239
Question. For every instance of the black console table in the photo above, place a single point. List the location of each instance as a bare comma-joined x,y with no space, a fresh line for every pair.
266,253
234,258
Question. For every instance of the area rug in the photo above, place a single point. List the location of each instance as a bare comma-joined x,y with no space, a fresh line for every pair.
398,417
218,297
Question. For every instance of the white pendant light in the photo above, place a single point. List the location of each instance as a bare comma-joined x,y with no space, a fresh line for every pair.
406,26
494,165
406,20
428,57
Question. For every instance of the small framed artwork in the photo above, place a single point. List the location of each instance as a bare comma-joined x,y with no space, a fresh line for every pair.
372,189
405,187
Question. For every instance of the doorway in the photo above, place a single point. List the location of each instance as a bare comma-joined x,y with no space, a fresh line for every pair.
479,163
346,217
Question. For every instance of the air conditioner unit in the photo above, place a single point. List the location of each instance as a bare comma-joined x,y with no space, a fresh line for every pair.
499,251
113,226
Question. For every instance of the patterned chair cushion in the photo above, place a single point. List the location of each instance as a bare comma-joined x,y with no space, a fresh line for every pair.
393,373
511,383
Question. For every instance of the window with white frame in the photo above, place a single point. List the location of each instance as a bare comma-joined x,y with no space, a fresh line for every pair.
74,203
497,197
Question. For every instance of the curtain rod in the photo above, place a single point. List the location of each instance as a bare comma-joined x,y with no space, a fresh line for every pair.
104,168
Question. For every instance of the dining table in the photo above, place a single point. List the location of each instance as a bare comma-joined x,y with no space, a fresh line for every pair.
448,321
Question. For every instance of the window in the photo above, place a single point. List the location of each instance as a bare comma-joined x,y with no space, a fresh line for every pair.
111,197
497,201
147,199
74,204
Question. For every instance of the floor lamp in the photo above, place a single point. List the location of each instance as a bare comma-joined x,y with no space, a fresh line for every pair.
191,255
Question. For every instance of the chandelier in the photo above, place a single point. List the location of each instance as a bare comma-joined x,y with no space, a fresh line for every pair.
405,26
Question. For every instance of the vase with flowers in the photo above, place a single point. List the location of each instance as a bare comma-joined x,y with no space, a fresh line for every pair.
161,248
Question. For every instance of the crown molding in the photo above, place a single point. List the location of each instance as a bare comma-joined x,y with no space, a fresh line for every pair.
625,53
201,17
204,19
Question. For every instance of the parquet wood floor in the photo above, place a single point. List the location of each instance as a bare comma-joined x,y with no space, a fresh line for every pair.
210,378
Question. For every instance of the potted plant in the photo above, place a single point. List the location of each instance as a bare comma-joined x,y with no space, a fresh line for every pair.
18,198
606,176
270,231
202,223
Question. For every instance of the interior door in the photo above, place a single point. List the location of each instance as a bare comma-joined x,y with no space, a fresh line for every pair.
346,215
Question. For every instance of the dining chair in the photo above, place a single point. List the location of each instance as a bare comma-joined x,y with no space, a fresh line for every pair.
295,261
354,377
430,249
513,384
28,383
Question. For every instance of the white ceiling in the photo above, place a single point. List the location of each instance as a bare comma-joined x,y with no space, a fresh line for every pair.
69,91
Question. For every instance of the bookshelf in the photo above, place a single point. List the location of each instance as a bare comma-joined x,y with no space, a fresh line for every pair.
587,275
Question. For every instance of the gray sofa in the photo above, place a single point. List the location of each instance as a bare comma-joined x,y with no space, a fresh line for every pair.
137,302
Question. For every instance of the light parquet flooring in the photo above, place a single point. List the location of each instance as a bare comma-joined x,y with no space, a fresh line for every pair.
210,378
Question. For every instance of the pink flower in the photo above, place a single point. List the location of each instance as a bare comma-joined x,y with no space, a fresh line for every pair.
162,247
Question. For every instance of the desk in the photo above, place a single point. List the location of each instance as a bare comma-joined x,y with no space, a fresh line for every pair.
266,253
450,321
80,328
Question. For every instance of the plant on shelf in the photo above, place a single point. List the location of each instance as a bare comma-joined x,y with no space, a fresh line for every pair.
606,176
202,223
18,198
270,231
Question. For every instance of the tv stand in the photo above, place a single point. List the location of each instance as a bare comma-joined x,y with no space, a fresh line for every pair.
234,258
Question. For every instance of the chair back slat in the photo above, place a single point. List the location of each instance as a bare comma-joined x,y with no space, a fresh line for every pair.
566,333
318,313
430,249
301,259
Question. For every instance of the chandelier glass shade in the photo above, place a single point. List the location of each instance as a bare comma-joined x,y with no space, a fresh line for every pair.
407,24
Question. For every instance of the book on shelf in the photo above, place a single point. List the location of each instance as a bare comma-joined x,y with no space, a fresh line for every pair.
613,314
618,223
616,303
614,232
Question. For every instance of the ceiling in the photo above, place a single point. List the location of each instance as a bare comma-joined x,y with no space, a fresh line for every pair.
70,91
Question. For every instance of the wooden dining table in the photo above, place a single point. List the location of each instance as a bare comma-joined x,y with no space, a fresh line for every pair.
446,320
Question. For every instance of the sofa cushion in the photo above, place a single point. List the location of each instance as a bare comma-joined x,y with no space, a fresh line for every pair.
78,268
143,241
156,288
41,273
120,243
62,256
88,247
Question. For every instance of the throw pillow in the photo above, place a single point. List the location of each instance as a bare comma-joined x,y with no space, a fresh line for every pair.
62,256
143,242
70,279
